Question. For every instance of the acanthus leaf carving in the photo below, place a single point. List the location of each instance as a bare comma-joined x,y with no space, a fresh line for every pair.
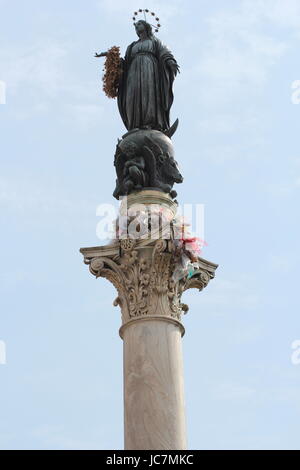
144,282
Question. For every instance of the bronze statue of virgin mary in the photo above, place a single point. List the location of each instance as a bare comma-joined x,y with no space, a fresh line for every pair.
145,93
145,85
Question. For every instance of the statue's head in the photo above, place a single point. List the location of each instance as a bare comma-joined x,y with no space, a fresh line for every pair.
143,27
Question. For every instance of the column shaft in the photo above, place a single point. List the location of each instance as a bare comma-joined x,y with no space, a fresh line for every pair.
153,386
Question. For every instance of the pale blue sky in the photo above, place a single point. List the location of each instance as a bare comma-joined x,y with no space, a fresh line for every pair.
238,148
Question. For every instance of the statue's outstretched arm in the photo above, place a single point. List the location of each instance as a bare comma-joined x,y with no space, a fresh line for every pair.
102,54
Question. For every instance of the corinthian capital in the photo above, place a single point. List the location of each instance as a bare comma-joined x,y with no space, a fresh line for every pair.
143,275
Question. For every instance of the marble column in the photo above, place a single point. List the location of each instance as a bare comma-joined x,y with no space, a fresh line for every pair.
150,300
154,410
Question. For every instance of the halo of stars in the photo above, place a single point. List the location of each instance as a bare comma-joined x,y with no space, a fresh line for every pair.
145,11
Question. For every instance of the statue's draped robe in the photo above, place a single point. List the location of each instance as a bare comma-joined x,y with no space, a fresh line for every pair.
145,93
